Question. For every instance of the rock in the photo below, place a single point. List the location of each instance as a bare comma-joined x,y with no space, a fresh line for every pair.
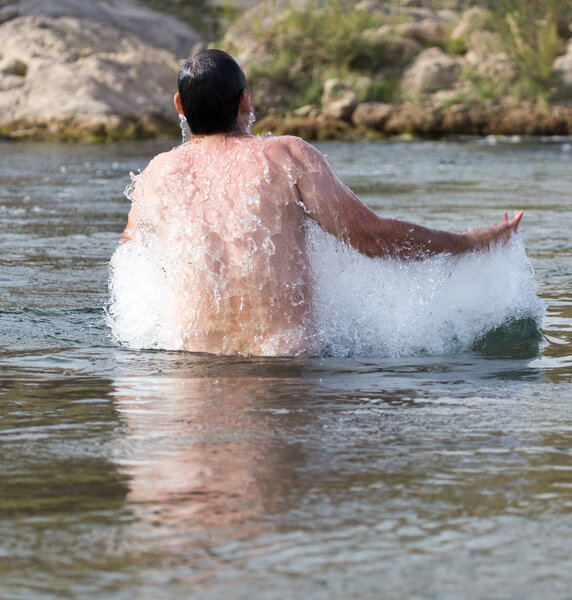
395,50
417,13
465,120
13,66
432,70
369,6
251,50
409,118
338,100
7,13
486,54
308,110
311,128
372,115
125,16
73,77
487,58
426,32
563,67
447,16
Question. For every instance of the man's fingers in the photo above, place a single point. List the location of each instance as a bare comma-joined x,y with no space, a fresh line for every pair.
516,218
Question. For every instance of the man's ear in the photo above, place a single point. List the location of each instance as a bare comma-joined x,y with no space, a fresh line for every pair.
178,105
244,105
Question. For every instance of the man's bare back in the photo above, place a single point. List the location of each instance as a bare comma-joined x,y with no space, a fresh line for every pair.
225,216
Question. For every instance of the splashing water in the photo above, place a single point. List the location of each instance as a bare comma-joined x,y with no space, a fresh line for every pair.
185,129
386,307
225,258
251,121
142,311
361,306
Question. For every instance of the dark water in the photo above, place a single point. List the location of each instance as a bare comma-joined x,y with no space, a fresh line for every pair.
147,474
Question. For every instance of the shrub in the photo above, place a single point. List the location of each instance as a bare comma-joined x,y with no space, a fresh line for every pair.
204,16
530,31
323,39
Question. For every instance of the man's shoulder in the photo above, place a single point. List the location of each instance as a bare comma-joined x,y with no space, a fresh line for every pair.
169,155
289,145
286,141
165,160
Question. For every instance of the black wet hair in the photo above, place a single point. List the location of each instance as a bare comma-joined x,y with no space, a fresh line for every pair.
210,85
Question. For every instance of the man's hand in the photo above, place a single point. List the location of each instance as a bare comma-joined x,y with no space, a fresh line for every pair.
481,238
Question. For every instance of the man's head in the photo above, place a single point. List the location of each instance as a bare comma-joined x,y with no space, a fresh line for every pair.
212,87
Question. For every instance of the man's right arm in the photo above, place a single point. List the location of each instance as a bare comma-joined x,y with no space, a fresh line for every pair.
340,212
131,226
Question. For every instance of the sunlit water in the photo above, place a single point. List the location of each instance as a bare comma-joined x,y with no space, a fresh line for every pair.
435,461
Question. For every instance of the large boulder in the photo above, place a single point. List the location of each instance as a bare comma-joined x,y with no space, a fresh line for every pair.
563,67
126,16
432,70
82,76
372,115
338,100
486,55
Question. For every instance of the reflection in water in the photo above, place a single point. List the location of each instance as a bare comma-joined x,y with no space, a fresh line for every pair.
202,451
330,475
45,468
215,443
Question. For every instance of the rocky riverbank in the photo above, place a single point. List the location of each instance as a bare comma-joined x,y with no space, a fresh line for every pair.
372,119
88,70
415,71
95,70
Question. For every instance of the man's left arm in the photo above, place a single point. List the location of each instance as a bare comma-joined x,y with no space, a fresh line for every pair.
340,212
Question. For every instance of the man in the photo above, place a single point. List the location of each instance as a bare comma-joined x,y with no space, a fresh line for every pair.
226,214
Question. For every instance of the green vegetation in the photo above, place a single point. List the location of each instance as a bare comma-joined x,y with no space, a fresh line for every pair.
455,47
461,97
290,48
532,32
328,39
320,39
202,15
307,42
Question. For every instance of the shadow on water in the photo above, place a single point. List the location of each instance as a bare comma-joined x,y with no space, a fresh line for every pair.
519,339
54,432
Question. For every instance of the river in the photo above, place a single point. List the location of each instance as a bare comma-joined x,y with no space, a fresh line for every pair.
434,471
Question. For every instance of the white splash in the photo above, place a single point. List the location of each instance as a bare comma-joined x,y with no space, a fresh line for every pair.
373,307
185,129
141,313
361,306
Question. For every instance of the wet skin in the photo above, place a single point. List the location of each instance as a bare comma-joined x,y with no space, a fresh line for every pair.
225,214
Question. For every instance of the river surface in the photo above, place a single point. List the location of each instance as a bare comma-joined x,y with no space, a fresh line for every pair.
431,474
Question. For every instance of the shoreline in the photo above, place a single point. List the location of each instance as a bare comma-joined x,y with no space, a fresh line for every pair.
410,119
397,120
410,71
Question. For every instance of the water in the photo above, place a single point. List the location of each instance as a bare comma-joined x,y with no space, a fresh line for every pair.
160,474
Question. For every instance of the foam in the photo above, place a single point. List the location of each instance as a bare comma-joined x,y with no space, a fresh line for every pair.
361,306
384,307
141,312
